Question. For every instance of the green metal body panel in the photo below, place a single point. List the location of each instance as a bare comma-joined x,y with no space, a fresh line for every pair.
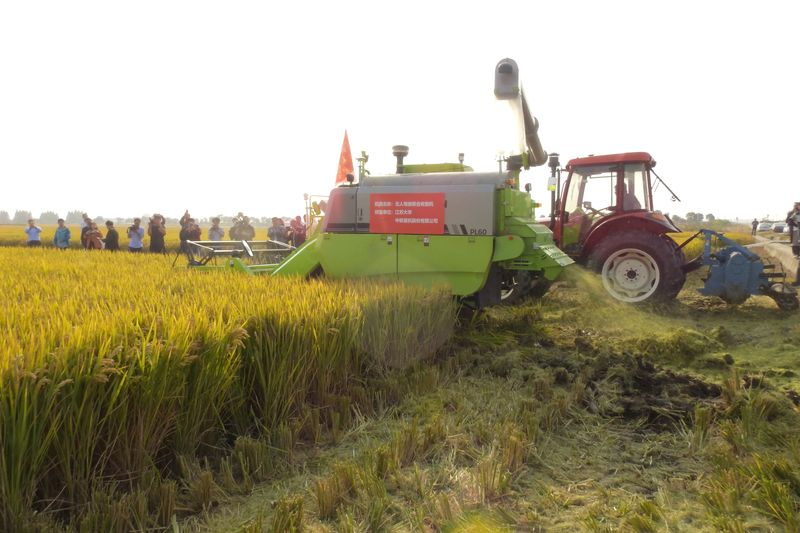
507,247
358,255
515,216
540,251
513,203
302,262
462,262
263,269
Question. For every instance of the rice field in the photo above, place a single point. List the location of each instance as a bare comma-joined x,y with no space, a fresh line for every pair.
139,397
117,373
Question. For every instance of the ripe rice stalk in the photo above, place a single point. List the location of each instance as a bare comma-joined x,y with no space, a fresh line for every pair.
29,424
113,365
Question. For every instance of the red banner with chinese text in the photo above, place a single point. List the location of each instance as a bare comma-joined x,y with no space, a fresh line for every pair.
415,213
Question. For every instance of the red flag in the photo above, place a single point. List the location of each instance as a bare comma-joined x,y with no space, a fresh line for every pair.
345,162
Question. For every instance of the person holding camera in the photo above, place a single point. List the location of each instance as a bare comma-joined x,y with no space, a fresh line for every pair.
33,232
135,236
215,232
277,232
156,229
190,232
184,221
242,230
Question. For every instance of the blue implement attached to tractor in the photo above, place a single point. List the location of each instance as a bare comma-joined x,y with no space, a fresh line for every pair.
736,273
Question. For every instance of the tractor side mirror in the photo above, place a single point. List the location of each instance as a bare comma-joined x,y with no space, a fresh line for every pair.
587,205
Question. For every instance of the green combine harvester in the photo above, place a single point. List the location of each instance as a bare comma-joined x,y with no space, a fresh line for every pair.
429,225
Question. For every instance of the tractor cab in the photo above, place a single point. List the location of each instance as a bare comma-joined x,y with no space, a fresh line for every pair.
601,191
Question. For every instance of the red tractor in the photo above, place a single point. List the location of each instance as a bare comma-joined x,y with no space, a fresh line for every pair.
604,219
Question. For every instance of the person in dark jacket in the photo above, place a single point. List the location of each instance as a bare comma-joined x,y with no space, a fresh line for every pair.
793,221
190,231
297,232
242,230
86,225
185,218
112,237
157,230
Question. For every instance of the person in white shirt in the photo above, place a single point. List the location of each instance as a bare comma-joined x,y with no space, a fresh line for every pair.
135,236
33,231
215,232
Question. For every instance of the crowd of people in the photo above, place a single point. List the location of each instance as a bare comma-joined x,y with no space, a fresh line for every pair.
92,238
295,234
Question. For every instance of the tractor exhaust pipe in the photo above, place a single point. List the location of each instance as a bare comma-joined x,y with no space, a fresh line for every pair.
399,151
554,186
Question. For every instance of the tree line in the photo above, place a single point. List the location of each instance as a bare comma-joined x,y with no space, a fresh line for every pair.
22,216
695,217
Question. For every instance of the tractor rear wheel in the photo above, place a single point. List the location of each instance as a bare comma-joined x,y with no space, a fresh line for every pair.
637,266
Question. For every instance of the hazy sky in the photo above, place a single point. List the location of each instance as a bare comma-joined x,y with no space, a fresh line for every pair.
124,108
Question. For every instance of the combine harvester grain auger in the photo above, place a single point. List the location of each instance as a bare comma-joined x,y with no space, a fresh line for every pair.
429,224
735,273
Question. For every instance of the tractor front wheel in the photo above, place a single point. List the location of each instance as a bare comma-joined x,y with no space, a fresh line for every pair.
636,266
